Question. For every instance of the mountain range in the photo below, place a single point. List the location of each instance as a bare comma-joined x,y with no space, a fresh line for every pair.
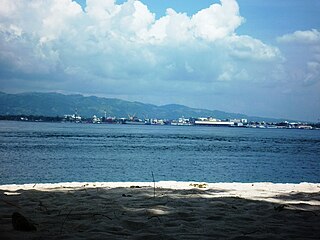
57,104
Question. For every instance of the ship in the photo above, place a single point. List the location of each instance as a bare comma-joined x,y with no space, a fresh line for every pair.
213,122
133,120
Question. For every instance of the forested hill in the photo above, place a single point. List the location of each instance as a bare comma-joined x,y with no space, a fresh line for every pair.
56,104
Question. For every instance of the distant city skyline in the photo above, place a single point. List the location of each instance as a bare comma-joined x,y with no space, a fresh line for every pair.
260,58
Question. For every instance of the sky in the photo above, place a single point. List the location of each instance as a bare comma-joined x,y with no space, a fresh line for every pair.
257,57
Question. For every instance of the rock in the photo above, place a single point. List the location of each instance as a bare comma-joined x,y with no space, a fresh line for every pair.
280,207
199,185
20,223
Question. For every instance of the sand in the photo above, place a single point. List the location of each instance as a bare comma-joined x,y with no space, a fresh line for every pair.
175,210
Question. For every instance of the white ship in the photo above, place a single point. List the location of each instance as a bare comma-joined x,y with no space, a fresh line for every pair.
213,122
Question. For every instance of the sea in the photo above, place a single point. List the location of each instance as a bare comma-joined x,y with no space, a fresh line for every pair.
38,152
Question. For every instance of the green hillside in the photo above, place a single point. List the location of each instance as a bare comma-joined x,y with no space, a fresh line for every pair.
56,104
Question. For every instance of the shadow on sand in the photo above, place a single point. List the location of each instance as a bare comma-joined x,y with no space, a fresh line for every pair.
134,213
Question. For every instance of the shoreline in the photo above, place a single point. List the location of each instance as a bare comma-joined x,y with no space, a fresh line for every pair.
171,210
254,190
160,183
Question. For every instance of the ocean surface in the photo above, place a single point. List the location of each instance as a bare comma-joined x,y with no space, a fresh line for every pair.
66,152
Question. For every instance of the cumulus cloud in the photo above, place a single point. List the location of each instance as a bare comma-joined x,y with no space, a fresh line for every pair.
119,41
310,36
247,47
217,21
313,72
304,65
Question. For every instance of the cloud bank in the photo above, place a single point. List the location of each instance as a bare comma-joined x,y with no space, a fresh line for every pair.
122,50
307,37
305,63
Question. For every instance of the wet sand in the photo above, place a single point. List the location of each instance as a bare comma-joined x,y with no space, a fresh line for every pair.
171,210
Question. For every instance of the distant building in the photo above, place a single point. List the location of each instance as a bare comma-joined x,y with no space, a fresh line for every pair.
181,122
95,119
72,118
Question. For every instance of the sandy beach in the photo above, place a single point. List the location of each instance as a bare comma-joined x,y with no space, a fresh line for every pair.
171,210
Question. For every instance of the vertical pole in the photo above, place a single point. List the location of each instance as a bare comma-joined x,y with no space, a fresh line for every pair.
154,186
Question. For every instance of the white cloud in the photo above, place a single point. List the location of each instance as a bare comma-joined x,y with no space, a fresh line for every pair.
173,28
217,21
123,50
245,47
313,73
310,36
126,38
303,56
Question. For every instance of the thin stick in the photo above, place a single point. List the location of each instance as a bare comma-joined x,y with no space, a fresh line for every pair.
10,203
103,215
154,186
65,221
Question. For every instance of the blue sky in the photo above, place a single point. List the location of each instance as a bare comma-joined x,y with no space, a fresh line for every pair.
249,56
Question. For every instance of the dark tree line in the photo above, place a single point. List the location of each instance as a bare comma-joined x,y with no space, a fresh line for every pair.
31,118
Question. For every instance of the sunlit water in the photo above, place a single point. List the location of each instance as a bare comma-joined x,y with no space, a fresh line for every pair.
64,152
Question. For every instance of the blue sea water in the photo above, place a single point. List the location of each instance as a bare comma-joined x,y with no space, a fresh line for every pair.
64,152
